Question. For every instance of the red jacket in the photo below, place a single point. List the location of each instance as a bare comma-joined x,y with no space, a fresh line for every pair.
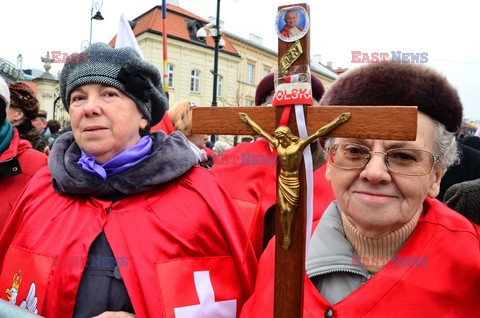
248,173
14,176
211,153
448,286
165,124
161,239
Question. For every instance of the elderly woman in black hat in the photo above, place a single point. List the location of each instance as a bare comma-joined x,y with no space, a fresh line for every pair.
386,247
123,221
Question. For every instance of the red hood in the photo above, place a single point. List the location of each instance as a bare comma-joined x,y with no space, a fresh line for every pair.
165,124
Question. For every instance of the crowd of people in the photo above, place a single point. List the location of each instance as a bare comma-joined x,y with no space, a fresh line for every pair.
126,213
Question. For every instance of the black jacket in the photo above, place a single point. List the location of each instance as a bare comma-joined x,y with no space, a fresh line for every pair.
468,169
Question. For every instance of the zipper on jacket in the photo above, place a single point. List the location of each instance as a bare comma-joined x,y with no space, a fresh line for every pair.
351,271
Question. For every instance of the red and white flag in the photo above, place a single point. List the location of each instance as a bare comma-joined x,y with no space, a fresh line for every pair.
200,287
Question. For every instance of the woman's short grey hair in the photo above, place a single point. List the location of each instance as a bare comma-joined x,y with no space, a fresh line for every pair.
446,146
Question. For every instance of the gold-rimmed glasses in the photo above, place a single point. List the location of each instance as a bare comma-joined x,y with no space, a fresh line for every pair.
404,161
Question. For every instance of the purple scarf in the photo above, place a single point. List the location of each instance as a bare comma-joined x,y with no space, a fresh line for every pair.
121,162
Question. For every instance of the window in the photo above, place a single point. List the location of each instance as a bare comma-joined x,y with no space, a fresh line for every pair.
266,72
171,70
195,81
250,74
248,102
219,85
192,27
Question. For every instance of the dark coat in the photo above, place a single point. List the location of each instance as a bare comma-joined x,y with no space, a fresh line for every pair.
468,169
464,198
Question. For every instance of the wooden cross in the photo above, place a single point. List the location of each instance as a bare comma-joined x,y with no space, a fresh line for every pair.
366,122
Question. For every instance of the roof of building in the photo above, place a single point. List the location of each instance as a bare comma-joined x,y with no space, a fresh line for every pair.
177,27
340,70
252,43
9,71
178,22
322,69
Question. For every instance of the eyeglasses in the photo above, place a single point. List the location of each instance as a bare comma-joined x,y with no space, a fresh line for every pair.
404,161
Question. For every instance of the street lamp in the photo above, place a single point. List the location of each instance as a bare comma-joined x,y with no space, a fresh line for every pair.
96,5
214,31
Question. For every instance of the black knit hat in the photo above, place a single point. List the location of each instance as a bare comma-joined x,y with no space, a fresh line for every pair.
399,84
121,68
266,88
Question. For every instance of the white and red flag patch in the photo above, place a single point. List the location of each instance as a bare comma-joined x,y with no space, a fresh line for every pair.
200,287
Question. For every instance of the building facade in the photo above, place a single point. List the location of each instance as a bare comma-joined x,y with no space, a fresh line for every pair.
190,60
242,63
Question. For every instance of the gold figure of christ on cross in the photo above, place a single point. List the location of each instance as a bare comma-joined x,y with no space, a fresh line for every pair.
290,149
366,122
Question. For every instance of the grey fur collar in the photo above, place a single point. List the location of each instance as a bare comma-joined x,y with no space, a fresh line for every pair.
170,158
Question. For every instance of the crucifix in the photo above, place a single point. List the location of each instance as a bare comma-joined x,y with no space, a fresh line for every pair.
365,122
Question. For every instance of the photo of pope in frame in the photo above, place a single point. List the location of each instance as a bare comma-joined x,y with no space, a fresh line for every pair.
292,23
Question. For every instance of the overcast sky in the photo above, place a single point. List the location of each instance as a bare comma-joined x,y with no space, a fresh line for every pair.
446,30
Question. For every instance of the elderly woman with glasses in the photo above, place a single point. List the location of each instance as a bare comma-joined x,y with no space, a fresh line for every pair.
386,247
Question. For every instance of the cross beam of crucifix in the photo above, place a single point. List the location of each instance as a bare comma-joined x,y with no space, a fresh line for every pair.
369,122
366,122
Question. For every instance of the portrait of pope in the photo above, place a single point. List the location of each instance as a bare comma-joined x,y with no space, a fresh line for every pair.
292,23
